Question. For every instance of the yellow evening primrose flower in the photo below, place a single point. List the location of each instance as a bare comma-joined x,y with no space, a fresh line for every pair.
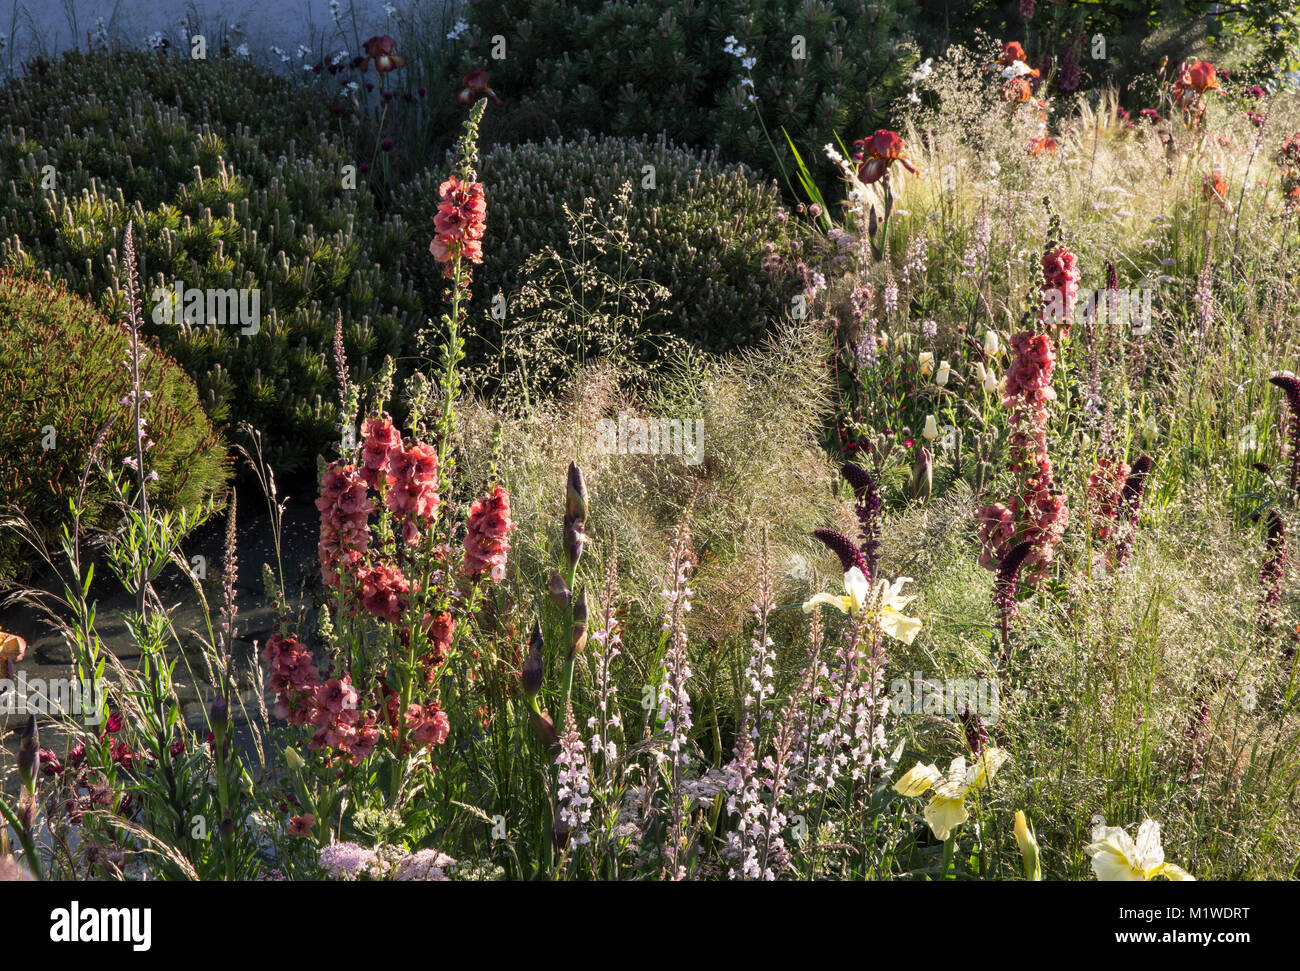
947,808
860,595
1116,857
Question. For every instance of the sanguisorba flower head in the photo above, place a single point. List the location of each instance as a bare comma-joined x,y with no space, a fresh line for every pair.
487,541
1115,856
877,152
860,596
459,224
947,808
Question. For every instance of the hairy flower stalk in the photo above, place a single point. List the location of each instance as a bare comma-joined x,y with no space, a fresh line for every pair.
1290,385
1038,511
674,699
1105,485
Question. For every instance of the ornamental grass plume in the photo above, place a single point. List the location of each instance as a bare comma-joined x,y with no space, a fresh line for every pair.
1290,385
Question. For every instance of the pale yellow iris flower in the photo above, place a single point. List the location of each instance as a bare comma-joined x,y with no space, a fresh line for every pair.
859,595
1116,857
947,809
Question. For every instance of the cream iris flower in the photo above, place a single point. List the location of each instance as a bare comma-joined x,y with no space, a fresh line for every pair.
1116,857
947,809
859,595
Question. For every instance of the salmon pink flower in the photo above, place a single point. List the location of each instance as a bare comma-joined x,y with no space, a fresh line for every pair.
381,438
459,224
486,542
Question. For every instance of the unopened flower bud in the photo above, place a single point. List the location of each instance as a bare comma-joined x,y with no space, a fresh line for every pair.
534,664
559,591
1028,848
575,538
923,475
545,730
575,496
29,755
579,625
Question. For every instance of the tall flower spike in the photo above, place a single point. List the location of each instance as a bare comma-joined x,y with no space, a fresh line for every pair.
1004,592
867,493
1290,385
843,547
1130,505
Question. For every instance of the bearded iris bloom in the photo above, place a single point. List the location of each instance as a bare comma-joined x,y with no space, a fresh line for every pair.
1115,856
379,49
861,596
877,153
947,808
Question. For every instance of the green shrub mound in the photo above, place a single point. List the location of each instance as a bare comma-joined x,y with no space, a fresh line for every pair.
63,374
233,183
633,68
704,225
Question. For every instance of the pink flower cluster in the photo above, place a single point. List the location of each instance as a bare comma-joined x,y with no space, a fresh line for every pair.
292,676
1061,276
413,487
384,592
340,723
344,521
1038,513
427,725
486,542
381,438
332,706
460,222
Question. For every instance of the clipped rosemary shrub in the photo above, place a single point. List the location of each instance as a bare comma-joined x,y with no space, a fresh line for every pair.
690,68
234,182
703,229
61,367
